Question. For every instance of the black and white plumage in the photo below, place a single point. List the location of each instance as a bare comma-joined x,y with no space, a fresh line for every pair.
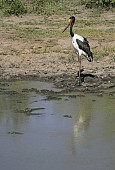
80,44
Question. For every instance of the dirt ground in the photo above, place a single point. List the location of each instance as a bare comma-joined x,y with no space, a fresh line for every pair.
53,59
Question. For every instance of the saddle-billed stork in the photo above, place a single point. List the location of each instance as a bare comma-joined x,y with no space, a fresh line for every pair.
80,45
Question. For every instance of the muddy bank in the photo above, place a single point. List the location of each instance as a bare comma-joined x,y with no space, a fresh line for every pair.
89,82
69,81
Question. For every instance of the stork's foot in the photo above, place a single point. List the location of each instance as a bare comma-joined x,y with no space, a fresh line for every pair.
80,72
78,84
80,76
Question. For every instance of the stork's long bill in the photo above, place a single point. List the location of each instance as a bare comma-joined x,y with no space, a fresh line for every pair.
70,21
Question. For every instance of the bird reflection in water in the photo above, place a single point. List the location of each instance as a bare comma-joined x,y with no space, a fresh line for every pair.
82,118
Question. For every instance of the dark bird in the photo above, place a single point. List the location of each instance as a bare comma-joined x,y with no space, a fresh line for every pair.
80,45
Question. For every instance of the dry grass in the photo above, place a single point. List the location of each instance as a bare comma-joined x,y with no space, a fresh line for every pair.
38,40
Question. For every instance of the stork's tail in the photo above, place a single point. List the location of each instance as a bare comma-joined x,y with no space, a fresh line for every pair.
90,57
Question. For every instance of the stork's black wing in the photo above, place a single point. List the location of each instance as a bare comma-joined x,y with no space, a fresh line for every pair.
86,48
84,45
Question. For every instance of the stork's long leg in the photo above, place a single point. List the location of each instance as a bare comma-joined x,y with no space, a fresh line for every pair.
79,60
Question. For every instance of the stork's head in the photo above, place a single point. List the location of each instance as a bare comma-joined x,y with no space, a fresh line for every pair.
70,22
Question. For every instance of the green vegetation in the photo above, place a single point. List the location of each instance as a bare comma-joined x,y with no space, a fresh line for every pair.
50,7
9,7
19,7
100,3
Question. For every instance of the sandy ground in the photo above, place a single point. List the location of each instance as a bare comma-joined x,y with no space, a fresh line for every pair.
51,58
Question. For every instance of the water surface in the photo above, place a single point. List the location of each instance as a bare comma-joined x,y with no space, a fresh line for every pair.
75,132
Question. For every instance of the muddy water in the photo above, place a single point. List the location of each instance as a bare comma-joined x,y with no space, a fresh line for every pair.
69,131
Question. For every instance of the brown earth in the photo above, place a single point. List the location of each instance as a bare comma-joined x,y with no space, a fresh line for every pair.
53,59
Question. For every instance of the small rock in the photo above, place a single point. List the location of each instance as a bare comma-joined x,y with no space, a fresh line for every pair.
68,116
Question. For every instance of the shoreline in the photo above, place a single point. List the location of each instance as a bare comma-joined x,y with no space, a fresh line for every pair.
91,82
